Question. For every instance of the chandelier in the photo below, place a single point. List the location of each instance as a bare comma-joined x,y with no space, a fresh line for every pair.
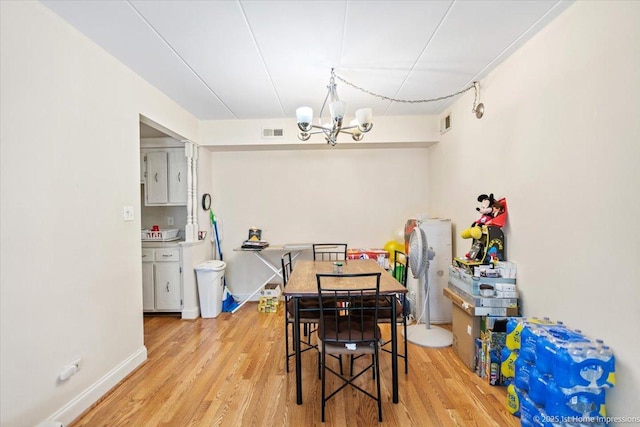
356,128
362,123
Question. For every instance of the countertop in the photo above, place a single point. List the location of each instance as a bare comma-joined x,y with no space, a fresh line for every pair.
173,243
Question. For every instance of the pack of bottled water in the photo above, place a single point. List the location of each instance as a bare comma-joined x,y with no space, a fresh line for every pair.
558,376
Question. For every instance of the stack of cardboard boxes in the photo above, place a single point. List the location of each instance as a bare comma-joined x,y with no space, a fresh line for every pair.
270,298
470,310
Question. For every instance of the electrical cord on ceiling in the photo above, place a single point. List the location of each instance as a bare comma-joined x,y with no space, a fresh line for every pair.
478,108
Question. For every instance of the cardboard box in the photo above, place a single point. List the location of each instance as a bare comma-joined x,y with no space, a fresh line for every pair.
268,304
494,342
472,305
366,253
505,287
496,311
465,328
471,285
506,294
271,290
507,269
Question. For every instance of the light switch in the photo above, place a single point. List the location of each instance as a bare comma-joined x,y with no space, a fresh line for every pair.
127,213
469,330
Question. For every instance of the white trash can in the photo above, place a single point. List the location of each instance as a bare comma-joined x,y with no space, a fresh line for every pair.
209,275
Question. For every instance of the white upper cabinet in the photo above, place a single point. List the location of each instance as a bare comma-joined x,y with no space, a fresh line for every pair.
166,177
177,177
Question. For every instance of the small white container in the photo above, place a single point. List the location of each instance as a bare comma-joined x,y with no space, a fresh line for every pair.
161,235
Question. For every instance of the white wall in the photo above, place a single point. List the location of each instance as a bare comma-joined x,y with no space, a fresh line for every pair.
423,130
560,139
355,196
71,276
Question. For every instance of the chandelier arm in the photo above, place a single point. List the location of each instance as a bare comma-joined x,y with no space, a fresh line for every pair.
475,86
322,128
323,105
315,132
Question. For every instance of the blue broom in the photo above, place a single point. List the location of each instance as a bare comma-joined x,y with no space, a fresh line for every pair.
228,303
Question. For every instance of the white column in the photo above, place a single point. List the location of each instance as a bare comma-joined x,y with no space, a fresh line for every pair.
189,231
194,188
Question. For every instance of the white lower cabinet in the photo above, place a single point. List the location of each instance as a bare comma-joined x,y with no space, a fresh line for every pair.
161,279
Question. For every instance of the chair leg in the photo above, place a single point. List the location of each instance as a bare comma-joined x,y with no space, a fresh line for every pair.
376,363
323,360
286,342
406,353
373,371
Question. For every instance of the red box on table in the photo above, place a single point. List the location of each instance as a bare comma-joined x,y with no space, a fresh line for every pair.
366,253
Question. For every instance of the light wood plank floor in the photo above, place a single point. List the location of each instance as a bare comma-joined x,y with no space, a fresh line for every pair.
229,371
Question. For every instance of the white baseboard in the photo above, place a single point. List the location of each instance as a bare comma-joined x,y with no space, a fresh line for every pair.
190,313
91,395
242,297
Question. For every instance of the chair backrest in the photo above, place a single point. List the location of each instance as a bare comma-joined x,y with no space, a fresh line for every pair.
400,267
329,251
348,314
287,267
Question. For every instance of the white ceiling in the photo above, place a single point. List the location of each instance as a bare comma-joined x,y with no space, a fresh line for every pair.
263,59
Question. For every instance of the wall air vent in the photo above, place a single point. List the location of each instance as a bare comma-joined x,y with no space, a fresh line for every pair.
272,133
445,123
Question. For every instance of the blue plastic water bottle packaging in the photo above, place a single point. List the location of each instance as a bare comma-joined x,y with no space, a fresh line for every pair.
531,415
523,373
508,365
575,401
538,384
514,395
585,364
548,346
515,326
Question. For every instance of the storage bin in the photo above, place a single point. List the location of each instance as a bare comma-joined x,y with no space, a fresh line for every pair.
161,235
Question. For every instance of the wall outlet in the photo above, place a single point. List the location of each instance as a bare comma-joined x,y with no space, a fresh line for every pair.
70,370
469,330
169,220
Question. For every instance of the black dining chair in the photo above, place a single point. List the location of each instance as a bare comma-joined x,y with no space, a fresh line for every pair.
309,313
400,269
329,251
349,326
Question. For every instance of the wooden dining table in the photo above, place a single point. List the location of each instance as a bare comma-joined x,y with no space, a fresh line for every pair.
303,284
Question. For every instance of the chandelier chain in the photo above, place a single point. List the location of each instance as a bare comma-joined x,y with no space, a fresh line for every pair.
408,101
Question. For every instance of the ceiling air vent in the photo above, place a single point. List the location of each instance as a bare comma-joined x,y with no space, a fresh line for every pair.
272,133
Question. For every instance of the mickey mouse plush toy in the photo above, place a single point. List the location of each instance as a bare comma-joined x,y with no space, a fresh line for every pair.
486,208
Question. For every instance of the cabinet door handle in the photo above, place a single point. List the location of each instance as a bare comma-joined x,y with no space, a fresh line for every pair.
167,286
156,177
179,176
166,255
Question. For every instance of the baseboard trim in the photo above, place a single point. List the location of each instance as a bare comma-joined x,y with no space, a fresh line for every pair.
190,314
242,297
78,405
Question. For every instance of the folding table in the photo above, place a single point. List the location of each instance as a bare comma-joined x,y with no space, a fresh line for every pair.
295,249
